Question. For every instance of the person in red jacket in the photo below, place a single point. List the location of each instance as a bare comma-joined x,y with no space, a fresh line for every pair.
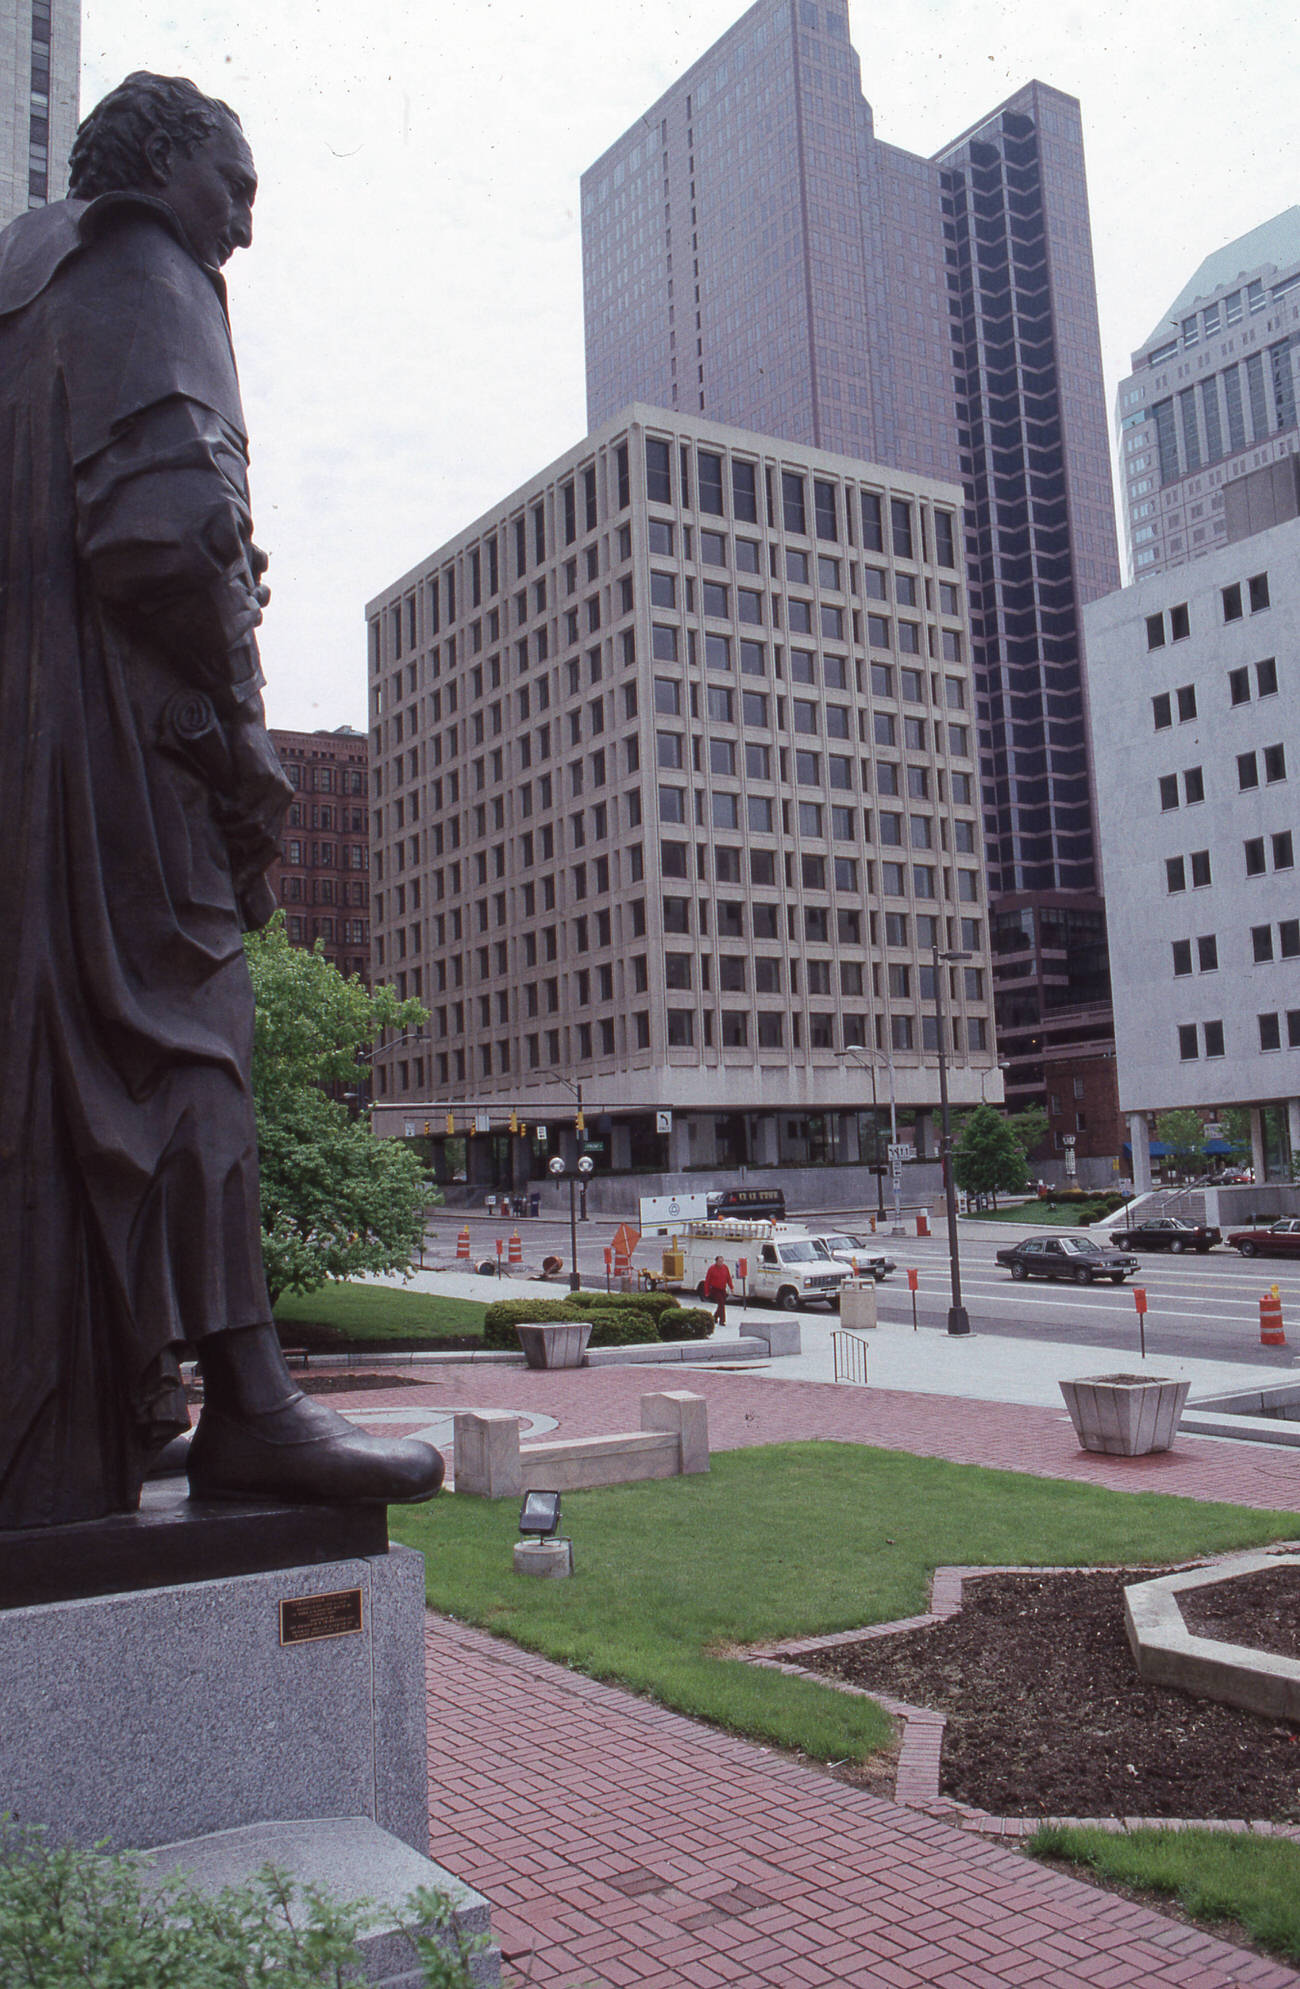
717,1283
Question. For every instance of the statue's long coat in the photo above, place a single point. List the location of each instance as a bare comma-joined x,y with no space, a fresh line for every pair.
128,1166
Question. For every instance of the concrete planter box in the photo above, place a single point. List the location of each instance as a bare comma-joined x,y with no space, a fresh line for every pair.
1124,1415
559,1343
858,1303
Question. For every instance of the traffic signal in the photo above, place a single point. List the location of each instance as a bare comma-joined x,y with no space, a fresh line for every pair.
514,1122
426,1129
451,1124
580,1123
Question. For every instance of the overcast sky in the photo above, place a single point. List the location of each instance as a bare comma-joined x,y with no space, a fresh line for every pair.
409,319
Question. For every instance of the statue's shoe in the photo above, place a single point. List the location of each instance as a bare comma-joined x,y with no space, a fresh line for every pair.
307,1453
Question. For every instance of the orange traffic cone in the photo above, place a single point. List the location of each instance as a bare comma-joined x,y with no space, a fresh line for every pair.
1270,1319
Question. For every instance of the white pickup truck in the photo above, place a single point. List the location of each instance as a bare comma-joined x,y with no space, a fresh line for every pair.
784,1265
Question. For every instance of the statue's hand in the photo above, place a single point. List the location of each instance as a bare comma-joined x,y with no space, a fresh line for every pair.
259,791
253,809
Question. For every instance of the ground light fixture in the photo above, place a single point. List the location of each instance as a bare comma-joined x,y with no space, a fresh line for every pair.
539,1515
538,1551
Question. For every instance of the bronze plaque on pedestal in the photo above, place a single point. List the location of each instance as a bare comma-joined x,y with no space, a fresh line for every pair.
305,1618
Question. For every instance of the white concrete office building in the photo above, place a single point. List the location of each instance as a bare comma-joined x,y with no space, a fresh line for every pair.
40,77
1195,712
1212,395
674,793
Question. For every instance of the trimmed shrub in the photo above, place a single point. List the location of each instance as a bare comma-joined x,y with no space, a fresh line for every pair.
686,1322
621,1327
653,1302
608,1321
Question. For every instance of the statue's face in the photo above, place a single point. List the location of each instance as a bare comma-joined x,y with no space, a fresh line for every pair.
211,191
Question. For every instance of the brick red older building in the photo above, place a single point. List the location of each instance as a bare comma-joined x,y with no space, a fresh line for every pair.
323,880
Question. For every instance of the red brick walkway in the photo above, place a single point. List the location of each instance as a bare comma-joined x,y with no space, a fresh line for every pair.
751,1409
626,1847
623,1845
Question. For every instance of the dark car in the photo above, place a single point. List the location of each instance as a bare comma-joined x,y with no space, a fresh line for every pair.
751,1203
1074,1257
1281,1239
1168,1233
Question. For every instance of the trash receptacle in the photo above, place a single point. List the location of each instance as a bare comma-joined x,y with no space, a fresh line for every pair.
534,1205
858,1303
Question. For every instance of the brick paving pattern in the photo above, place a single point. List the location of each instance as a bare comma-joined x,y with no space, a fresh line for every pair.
626,1847
749,1409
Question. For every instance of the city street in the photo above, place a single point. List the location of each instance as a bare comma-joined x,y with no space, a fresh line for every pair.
1202,1308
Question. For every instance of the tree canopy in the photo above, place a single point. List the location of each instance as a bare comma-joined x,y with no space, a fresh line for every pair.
1030,1128
988,1158
1182,1131
335,1200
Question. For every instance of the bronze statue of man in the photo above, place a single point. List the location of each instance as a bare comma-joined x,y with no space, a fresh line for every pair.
140,804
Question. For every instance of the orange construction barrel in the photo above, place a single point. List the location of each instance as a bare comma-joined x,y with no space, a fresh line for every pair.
516,1254
462,1243
1270,1319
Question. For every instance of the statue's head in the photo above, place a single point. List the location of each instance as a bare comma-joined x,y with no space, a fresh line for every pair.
162,136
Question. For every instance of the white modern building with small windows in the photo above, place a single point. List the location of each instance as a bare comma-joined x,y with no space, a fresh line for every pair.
675,794
1194,681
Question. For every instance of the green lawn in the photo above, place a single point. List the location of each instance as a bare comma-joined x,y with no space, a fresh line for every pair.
1036,1215
791,1540
339,1316
1216,1876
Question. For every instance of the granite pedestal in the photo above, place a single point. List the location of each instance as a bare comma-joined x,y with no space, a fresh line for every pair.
163,1712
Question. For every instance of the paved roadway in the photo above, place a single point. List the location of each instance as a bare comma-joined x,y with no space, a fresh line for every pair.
1201,1308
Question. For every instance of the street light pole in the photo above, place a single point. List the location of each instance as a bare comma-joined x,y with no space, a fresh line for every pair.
863,1055
958,1317
875,1144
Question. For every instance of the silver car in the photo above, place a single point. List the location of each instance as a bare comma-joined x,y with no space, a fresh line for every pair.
862,1252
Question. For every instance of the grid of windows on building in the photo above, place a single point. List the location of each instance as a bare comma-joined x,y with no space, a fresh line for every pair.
752,252
1212,397
40,61
673,771
1192,682
322,880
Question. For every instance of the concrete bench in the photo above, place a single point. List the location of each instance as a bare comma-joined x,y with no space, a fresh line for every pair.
492,1463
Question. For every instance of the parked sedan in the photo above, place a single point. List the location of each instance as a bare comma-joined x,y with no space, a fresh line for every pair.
1076,1257
862,1252
1281,1239
1168,1233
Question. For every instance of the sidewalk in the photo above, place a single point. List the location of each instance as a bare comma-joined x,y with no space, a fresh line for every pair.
626,1847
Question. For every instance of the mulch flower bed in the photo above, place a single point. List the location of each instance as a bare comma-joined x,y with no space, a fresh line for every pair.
1262,1610
1046,1715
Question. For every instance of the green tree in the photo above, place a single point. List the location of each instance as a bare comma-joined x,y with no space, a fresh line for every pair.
1183,1133
1235,1122
988,1157
1030,1128
335,1200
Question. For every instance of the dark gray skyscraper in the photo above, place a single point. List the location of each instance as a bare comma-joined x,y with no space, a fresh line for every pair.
754,253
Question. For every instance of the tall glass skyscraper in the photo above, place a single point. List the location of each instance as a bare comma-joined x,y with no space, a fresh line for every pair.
40,67
753,252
